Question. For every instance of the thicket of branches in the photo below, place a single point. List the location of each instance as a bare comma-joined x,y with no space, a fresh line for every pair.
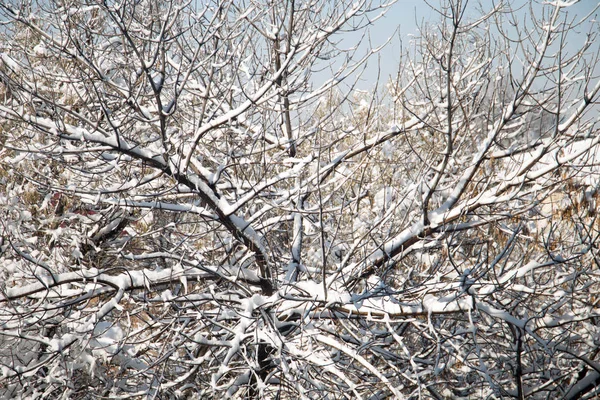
186,214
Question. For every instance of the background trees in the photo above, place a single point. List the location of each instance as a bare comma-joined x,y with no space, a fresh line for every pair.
185,214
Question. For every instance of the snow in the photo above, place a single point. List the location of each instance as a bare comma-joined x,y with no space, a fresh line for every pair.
40,49
246,228
501,314
349,351
384,197
561,4
166,296
388,149
107,336
8,61
581,386
371,305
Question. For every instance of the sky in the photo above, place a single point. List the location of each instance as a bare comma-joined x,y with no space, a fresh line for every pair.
404,17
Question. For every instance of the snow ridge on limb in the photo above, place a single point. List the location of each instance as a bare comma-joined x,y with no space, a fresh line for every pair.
452,208
197,184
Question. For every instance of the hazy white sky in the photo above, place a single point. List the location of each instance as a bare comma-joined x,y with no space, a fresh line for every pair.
404,18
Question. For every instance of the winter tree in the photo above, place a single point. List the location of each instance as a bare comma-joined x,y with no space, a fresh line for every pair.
187,213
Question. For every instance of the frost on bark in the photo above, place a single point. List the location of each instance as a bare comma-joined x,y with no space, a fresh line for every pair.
186,213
